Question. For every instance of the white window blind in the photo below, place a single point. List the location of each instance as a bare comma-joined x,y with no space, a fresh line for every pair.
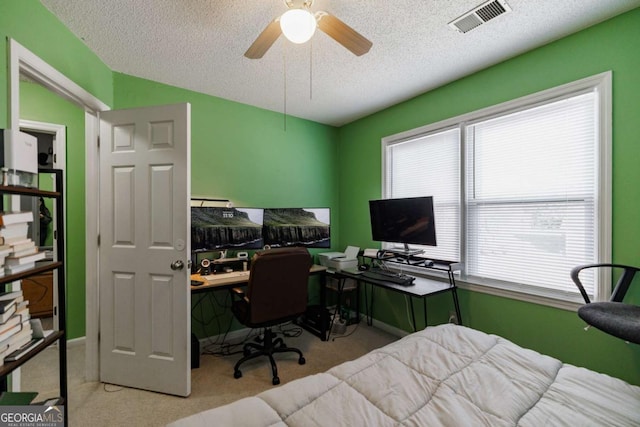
522,190
531,194
429,165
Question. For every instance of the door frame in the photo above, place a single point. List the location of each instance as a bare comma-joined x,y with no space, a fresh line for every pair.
60,136
22,60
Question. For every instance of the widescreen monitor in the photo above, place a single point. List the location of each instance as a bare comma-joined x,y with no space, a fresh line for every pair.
308,227
406,221
218,228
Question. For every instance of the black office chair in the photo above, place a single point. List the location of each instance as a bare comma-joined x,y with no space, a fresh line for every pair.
277,293
614,317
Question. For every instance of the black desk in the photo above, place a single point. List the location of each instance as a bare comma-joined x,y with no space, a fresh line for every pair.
421,288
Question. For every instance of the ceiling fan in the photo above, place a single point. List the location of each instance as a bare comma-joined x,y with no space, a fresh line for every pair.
298,25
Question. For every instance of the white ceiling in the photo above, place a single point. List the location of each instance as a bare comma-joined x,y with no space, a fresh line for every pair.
199,45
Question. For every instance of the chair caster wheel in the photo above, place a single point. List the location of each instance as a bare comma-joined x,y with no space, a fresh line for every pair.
275,381
301,361
237,374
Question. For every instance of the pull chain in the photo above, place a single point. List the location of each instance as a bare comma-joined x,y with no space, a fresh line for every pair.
311,69
284,68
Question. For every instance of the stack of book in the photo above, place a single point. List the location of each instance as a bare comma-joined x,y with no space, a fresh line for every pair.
5,250
17,251
15,326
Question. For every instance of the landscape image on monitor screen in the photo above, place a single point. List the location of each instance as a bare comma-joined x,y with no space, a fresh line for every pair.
297,227
215,228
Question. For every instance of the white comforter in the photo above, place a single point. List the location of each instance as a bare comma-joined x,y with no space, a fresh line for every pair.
442,376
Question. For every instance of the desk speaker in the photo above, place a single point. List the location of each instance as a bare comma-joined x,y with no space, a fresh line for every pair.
205,267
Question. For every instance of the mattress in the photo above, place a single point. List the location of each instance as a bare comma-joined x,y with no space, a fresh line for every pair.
445,375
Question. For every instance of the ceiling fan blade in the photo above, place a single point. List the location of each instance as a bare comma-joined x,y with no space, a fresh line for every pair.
343,34
264,41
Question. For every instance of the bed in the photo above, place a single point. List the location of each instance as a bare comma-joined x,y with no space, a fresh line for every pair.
445,375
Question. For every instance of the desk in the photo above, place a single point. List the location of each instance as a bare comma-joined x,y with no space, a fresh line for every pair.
222,281
421,288
231,280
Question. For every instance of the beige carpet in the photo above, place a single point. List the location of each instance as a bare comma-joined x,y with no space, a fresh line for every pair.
97,404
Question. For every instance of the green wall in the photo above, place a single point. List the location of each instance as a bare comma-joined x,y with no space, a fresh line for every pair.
612,45
34,27
246,155
239,152
37,103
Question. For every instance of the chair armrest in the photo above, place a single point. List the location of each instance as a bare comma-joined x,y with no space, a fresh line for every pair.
621,287
237,292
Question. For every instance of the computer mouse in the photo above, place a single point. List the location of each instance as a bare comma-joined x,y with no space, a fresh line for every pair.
363,267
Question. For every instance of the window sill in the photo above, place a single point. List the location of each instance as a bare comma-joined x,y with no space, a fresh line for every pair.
541,296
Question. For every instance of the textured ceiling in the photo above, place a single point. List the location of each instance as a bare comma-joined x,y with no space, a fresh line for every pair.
199,45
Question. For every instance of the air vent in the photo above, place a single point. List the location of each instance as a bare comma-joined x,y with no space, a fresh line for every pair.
479,15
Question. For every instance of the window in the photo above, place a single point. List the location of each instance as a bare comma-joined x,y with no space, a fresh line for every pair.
430,166
521,190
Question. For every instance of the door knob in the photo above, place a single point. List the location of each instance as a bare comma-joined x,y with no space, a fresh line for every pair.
177,265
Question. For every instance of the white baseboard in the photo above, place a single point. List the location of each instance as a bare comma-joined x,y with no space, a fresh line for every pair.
232,335
75,342
389,329
242,333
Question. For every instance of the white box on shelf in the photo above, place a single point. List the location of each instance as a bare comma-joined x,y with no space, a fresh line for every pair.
20,151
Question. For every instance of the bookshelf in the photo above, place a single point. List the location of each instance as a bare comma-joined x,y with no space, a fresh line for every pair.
58,336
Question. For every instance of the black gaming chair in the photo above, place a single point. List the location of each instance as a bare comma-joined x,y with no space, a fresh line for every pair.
277,293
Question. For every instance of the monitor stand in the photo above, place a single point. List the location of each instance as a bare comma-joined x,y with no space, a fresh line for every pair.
404,251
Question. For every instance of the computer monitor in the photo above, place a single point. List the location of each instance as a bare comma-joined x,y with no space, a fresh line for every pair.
308,227
407,221
219,228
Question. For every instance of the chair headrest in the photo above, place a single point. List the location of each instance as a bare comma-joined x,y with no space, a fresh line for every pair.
282,251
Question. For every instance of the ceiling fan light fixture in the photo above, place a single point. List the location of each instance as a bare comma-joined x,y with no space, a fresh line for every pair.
298,25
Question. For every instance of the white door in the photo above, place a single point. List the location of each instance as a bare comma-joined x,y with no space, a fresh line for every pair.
145,300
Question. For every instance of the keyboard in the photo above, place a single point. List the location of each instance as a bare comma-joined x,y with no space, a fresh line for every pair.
389,276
